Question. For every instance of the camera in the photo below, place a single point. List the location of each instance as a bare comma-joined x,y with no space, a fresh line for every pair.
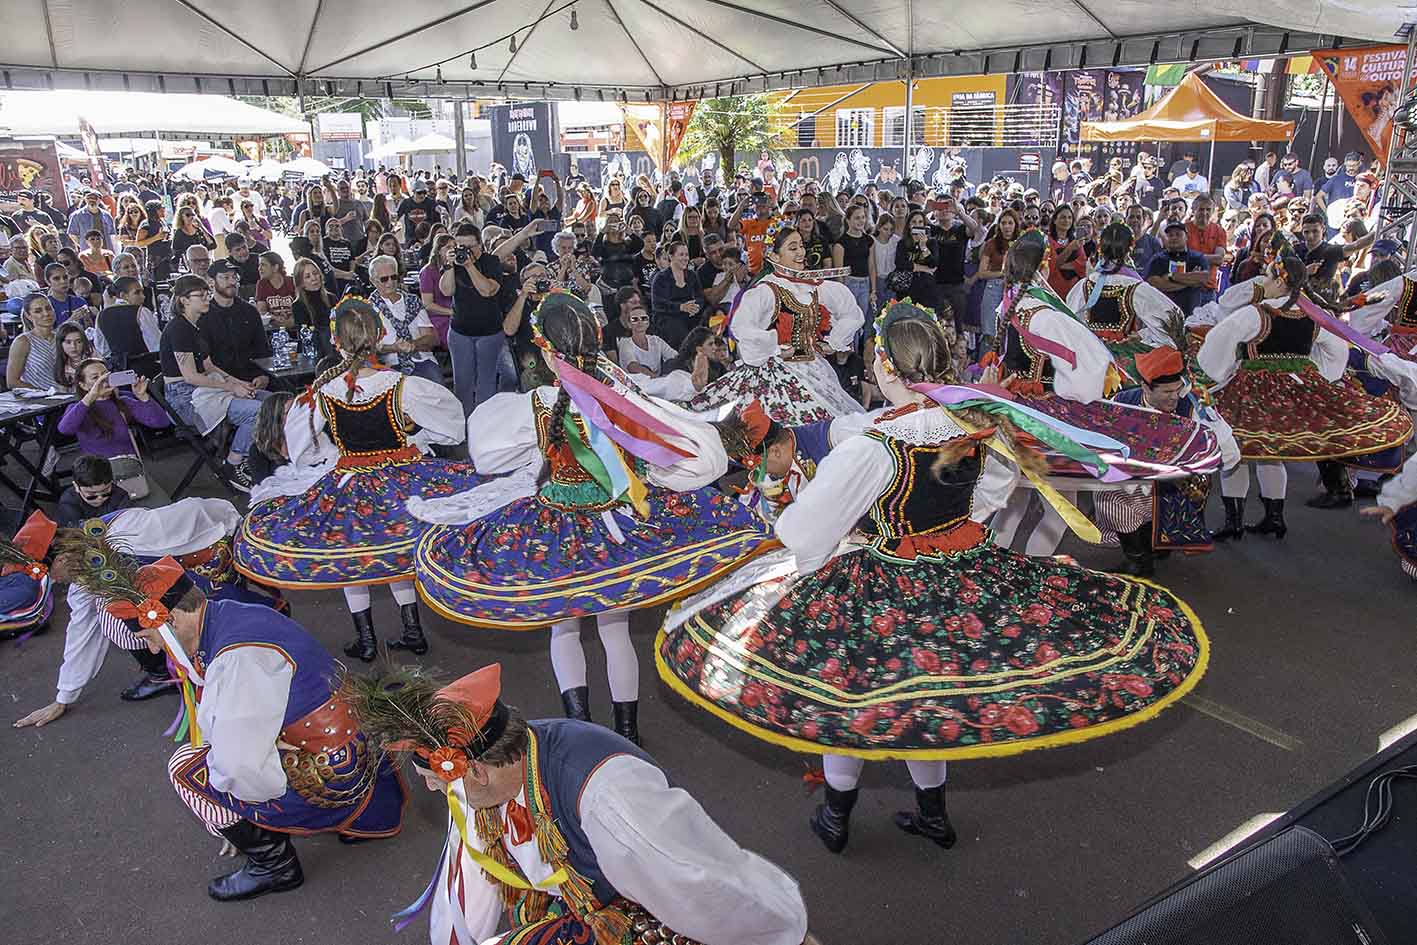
541,286
462,254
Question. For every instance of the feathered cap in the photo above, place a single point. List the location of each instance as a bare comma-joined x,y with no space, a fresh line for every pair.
408,710
27,550
753,429
141,596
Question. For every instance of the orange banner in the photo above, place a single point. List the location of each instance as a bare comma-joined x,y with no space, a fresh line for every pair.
676,123
1369,80
644,130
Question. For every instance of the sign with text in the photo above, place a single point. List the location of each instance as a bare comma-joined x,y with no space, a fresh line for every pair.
521,137
30,165
1369,80
340,126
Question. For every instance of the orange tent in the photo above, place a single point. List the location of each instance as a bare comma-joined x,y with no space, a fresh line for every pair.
1189,112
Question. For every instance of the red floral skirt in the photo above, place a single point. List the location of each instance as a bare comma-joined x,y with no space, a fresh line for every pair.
1290,413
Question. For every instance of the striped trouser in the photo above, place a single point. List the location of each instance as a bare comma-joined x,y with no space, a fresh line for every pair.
1408,568
117,632
1122,510
188,762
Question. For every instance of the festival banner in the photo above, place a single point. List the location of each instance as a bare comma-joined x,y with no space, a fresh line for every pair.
90,140
1369,80
675,125
521,137
30,165
644,131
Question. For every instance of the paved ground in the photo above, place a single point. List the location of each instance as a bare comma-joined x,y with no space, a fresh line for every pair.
1312,659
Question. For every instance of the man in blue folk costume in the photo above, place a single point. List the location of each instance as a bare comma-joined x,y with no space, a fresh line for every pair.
274,750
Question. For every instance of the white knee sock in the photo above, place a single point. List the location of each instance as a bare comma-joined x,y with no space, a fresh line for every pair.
1235,483
404,593
1049,531
567,655
357,598
842,772
620,663
1274,479
927,774
1007,520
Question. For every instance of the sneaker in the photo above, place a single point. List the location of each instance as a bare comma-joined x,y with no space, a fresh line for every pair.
238,476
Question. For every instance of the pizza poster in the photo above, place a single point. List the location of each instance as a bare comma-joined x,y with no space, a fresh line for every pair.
30,165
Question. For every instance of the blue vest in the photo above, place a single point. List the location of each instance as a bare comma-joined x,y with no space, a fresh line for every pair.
570,752
229,624
813,440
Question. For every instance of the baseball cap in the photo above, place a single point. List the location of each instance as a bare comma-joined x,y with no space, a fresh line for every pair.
420,186
519,176
1174,225
1386,247
223,265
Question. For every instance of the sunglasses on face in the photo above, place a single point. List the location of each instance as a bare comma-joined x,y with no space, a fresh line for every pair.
383,279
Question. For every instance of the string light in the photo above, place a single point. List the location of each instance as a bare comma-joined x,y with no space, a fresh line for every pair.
575,24
513,47
472,62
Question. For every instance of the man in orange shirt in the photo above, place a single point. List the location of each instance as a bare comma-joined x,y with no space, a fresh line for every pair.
1205,236
754,227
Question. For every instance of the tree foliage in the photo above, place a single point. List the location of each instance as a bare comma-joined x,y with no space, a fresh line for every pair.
734,123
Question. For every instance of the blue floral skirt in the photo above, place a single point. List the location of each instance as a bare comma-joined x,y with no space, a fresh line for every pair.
340,533
531,564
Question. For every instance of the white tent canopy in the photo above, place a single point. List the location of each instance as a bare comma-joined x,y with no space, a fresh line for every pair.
642,48
119,113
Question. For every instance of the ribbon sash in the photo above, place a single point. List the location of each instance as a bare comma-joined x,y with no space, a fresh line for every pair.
495,869
1341,328
620,419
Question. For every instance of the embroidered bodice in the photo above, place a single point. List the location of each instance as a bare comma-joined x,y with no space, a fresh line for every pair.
802,325
1018,356
378,425
569,485
1283,334
1403,316
1114,316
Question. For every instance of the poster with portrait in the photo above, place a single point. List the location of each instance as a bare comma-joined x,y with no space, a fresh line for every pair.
30,165
1369,80
521,137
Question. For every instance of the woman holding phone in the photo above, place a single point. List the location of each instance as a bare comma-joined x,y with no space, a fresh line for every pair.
102,419
916,259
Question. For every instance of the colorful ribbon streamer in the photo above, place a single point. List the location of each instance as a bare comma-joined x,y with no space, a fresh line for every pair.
620,419
1341,328
491,866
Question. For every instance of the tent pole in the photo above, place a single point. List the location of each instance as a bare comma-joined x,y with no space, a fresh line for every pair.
460,138
1211,169
909,113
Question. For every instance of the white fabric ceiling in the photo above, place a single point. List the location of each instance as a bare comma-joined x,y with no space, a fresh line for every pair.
620,44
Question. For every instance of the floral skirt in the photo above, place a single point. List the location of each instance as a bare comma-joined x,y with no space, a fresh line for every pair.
1384,461
791,392
25,601
1160,445
347,529
530,564
1290,413
976,653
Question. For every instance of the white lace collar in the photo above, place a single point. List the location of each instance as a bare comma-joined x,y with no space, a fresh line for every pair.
369,387
924,427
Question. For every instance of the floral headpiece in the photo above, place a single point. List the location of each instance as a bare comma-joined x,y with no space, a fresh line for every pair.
779,225
26,552
141,597
557,298
894,312
448,727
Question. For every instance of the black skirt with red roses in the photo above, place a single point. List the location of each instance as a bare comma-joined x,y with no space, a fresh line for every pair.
956,654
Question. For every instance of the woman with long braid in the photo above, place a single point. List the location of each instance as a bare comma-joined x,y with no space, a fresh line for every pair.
347,527
607,509
1130,315
890,627
1287,399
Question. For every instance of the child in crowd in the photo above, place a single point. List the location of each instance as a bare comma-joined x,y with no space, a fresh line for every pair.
101,421
126,327
93,493
73,348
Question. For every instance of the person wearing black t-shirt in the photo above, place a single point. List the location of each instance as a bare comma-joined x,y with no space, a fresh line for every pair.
420,208
819,254
247,263
339,253
232,328
951,235
616,253
482,361
851,373
855,249
1178,272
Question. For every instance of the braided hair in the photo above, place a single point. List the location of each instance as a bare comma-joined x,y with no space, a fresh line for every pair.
1295,276
920,353
1021,265
1116,246
572,332
358,330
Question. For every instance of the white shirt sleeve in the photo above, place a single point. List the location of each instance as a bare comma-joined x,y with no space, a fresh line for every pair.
995,485
848,425
1210,418
305,437
84,646
657,846
1330,353
1085,382
434,408
241,715
1400,373
851,477
1400,490
1371,319
846,315
676,385
752,325
1217,353
706,460
1077,295
501,434
1154,310
151,330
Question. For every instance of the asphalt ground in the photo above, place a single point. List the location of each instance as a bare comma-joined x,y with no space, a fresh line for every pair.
1312,658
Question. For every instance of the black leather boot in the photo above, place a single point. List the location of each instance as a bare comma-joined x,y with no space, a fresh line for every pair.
1234,520
271,864
1338,491
155,681
832,819
627,720
576,702
413,639
1273,521
365,646
929,820
1136,548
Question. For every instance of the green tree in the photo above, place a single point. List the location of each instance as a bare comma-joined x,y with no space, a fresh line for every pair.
371,108
733,123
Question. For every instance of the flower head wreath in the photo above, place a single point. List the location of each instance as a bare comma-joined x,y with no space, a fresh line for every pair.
554,299
896,312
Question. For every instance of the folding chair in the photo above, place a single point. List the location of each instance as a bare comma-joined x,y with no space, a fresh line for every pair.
197,443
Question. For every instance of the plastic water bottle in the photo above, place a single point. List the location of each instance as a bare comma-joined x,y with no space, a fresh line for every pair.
280,349
307,343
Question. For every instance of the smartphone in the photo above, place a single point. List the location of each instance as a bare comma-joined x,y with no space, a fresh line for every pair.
918,230
122,378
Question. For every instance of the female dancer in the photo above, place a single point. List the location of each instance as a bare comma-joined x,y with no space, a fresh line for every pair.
1287,399
783,325
608,513
348,528
1130,315
920,639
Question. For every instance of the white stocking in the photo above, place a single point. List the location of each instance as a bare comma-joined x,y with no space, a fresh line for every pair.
620,663
1010,517
357,598
842,772
1049,531
927,774
567,654
1235,483
404,593
1274,479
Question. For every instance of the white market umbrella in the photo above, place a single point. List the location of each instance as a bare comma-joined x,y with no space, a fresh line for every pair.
389,149
267,170
433,143
211,167
307,167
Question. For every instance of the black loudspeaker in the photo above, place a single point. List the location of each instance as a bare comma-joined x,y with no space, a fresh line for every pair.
1289,890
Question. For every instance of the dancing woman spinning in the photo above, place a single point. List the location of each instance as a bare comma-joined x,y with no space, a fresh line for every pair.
608,511
349,528
917,638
